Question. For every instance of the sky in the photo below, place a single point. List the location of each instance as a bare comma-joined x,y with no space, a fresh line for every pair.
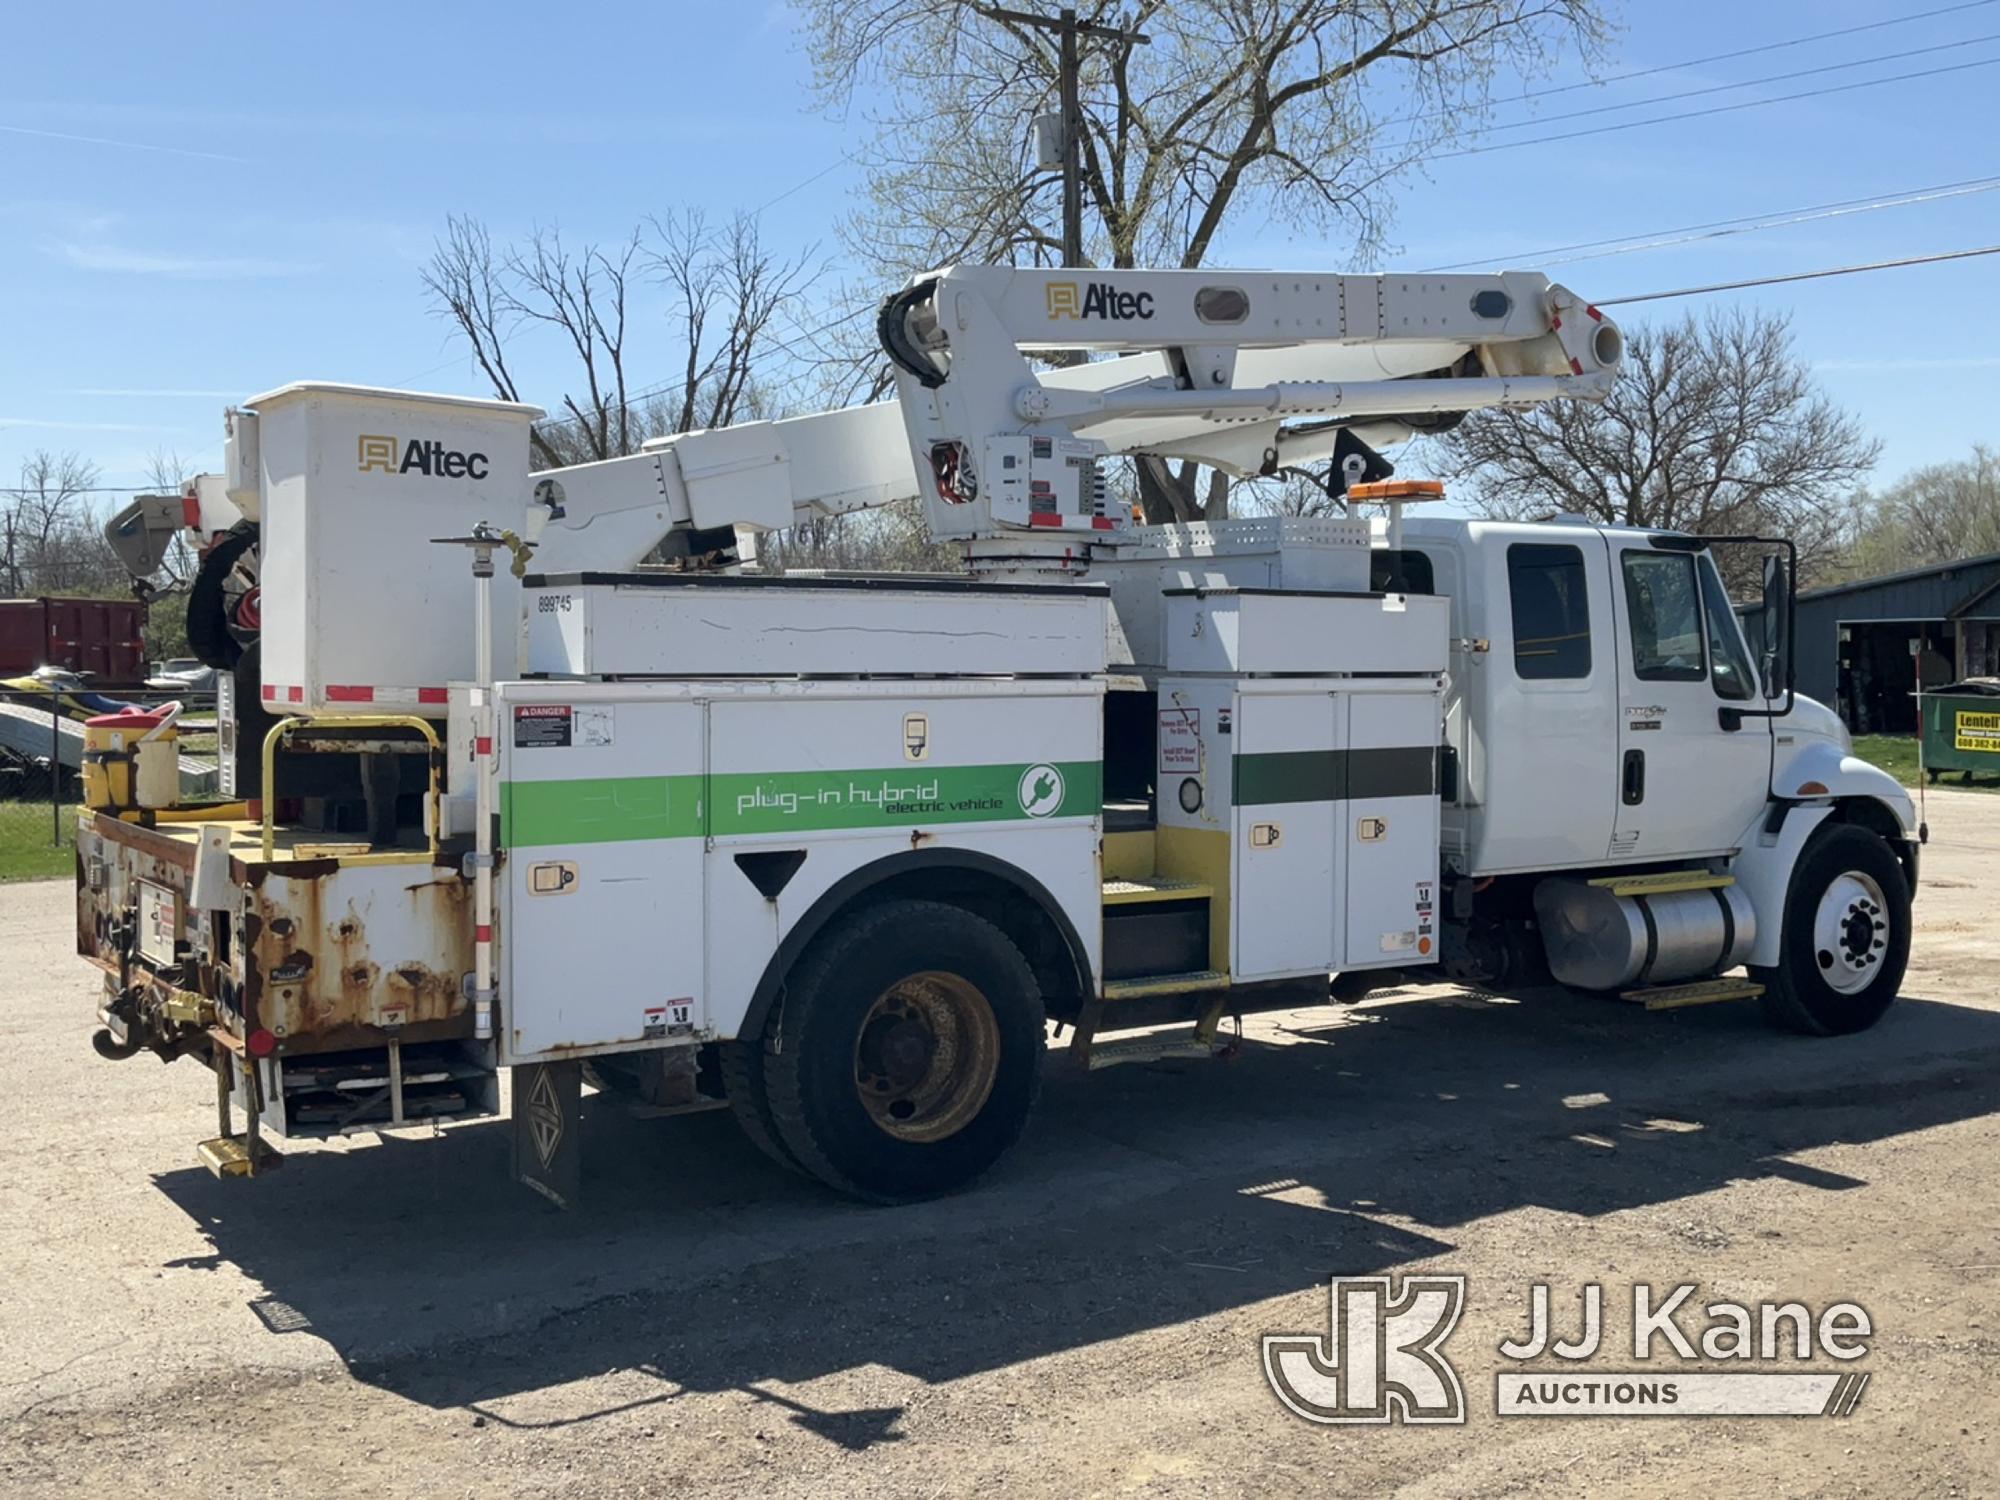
199,202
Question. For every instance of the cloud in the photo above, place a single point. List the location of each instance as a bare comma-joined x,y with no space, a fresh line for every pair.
152,393
56,426
1894,365
98,140
117,258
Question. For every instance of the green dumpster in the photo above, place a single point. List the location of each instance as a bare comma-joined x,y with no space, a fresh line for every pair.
1961,728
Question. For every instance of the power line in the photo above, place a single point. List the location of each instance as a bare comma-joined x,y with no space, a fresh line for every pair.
1720,228
1734,286
1718,109
1697,62
1723,88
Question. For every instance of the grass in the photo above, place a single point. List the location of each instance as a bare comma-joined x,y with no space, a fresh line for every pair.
1897,754
27,849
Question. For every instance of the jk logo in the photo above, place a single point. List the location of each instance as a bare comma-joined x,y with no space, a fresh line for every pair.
1379,1360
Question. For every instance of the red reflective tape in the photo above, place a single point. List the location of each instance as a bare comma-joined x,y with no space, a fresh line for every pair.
295,694
269,694
1101,523
191,512
1045,518
340,693
1576,366
483,745
433,695
1595,315
482,934
1555,320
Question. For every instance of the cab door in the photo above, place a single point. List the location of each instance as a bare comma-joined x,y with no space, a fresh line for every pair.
1692,771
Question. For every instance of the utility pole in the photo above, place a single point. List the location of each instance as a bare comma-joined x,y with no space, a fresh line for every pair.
1068,28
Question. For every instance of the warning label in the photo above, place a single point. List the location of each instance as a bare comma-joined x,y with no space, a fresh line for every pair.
1180,741
539,725
543,725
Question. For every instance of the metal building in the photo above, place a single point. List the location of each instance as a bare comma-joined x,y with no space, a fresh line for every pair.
1861,644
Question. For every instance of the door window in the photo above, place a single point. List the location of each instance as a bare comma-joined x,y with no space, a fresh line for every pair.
1728,661
1663,604
1546,587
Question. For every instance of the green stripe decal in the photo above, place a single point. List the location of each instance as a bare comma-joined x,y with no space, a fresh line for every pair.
664,807
602,810
1333,775
904,797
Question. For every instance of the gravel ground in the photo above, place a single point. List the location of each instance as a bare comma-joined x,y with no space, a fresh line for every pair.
394,1317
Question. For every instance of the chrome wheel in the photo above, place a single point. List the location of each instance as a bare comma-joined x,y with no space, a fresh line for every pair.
1850,932
926,1057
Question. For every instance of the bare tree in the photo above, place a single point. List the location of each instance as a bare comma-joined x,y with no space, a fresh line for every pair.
724,292
49,528
1294,111
1715,426
1939,513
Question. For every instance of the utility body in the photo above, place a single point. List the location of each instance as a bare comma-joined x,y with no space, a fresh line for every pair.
538,773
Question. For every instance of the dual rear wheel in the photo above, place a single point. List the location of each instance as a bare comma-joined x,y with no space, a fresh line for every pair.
903,1057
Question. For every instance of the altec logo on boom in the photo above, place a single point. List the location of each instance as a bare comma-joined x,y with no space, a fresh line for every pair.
425,455
1068,300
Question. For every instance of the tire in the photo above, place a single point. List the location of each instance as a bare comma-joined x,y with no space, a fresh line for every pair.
750,1101
1846,938
208,632
908,1051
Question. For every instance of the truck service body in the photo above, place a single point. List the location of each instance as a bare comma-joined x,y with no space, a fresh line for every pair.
833,851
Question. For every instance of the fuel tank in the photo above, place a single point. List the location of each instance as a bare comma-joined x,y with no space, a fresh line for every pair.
1599,940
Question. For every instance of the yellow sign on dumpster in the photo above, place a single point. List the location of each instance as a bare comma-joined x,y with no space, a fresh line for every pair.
1977,732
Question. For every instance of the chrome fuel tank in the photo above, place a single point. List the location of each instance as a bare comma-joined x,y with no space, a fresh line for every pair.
1598,940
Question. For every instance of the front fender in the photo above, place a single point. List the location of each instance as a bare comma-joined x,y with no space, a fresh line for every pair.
1811,783
1821,768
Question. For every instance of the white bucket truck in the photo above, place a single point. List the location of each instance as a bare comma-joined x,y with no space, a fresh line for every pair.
538,773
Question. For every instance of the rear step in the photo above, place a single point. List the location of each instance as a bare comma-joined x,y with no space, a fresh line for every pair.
1183,1042
1700,992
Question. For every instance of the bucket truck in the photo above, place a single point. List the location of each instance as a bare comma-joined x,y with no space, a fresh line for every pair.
539,775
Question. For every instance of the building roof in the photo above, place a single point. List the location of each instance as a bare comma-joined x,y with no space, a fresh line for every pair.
1932,570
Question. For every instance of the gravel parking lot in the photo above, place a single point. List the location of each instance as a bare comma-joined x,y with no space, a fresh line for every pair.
394,1317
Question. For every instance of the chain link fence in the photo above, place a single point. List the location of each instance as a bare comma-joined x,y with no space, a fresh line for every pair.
41,765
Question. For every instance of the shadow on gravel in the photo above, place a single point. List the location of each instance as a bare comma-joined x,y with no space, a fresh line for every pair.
1142,1197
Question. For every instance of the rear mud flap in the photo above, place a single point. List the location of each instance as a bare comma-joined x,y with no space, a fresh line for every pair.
548,1143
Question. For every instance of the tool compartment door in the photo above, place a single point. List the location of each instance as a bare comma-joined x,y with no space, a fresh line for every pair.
602,815
1389,827
1285,780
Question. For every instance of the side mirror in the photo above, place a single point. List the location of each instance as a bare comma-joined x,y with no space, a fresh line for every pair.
1776,615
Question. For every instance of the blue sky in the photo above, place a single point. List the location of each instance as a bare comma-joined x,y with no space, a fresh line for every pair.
274,177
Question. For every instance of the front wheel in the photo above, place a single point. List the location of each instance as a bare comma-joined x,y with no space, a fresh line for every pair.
908,1051
1846,939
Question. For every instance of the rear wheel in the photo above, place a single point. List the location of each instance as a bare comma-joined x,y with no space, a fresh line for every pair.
1847,936
908,1052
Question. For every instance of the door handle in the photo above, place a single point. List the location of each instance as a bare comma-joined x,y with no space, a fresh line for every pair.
1635,777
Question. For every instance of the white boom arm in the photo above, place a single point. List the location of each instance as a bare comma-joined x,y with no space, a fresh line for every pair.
1217,366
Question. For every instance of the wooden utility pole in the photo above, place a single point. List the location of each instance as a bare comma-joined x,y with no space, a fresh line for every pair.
1068,29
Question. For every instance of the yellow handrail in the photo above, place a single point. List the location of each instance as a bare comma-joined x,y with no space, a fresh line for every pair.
285,728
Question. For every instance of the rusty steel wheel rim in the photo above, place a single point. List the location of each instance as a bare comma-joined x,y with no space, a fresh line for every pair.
926,1056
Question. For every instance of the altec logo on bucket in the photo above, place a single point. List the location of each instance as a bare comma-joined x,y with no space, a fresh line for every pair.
423,455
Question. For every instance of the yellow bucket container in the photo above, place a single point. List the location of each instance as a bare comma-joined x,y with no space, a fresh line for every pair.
131,759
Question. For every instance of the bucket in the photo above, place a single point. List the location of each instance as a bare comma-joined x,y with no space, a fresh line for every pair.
130,759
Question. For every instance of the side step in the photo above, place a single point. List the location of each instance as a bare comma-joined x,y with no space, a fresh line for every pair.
1184,1042
1701,992
1164,984
1130,891
1663,883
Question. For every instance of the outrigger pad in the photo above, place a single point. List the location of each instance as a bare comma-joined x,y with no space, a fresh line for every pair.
548,1140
